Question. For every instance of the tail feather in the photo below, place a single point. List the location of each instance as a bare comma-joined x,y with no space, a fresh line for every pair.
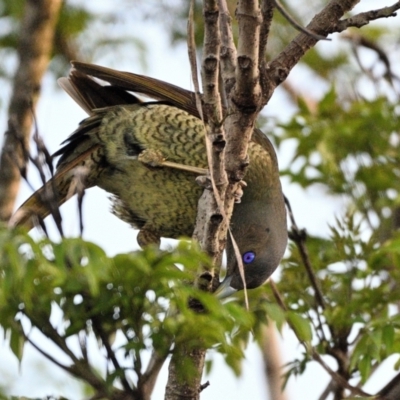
90,94
57,189
154,88
38,206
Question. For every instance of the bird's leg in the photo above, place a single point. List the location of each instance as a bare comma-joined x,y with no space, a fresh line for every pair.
148,237
155,158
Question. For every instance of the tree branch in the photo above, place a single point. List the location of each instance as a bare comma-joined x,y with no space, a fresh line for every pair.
244,102
185,389
212,222
228,48
365,18
299,237
34,50
323,23
246,96
98,330
391,391
147,381
338,378
267,13
78,369
294,23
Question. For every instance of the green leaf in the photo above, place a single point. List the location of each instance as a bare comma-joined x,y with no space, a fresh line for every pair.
364,366
388,334
300,325
17,343
275,313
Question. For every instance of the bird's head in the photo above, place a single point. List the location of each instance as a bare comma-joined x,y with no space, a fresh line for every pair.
261,243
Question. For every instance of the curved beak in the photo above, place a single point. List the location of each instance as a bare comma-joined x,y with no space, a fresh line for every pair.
224,289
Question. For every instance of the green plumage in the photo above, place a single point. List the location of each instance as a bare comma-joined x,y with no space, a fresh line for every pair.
123,147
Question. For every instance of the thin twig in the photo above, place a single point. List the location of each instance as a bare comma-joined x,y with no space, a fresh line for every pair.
45,327
98,330
278,297
299,237
295,24
330,388
240,267
365,18
311,350
338,378
193,59
359,40
49,195
204,385
46,355
82,337
323,23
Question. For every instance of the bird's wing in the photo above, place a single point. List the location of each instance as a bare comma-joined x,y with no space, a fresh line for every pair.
82,74
96,99
83,86
121,82
261,139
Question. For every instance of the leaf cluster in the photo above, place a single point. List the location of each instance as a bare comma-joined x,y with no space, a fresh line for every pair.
351,150
146,296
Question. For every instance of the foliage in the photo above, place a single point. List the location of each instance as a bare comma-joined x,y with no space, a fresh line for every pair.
142,295
349,147
347,143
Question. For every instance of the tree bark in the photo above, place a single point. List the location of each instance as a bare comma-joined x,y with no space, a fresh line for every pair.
211,224
34,52
185,362
391,391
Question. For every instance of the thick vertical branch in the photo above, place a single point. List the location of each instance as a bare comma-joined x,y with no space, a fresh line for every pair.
267,12
212,222
34,50
179,388
212,232
245,100
228,49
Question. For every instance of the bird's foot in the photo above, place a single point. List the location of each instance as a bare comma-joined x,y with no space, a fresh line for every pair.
151,157
155,158
204,181
239,192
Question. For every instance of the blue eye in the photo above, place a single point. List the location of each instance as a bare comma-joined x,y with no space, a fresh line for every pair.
248,257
